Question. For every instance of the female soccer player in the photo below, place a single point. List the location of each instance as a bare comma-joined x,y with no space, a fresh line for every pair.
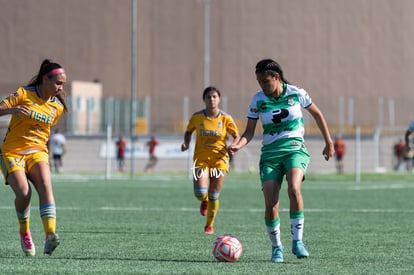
211,159
34,109
278,105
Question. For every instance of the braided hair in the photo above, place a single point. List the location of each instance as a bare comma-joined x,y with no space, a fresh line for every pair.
271,67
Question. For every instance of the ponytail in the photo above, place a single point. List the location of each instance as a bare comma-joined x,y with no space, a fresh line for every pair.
49,68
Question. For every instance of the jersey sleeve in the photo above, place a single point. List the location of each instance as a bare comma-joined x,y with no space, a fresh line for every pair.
191,126
14,99
253,112
305,99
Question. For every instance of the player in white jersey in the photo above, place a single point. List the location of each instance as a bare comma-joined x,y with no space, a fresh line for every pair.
408,150
57,143
279,105
408,133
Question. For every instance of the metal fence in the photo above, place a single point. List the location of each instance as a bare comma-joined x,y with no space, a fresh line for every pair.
168,115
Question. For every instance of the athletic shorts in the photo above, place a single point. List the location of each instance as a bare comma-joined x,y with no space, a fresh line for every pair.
274,166
13,162
57,156
211,163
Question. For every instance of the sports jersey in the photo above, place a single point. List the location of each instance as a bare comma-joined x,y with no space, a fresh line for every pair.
28,134
339,146
411,126
281,118
57,142
211,133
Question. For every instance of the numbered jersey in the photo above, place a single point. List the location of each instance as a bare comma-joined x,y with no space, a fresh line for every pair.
281,118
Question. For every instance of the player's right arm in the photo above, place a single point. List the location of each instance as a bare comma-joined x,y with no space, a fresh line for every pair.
187,139
16,110
191,127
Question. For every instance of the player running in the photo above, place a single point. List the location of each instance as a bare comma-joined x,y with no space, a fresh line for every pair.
278,105
211,160
34,109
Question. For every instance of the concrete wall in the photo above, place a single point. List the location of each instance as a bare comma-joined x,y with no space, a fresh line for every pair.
351,48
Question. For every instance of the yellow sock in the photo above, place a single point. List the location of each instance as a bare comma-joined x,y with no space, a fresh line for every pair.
24,220
48,215
49,224
203,198
213,206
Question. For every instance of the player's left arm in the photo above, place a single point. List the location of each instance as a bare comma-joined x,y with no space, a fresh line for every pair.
316,113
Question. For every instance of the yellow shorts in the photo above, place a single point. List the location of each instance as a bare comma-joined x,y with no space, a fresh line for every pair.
13,162
211,162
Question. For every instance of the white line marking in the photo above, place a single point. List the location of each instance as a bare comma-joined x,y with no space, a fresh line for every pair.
185,209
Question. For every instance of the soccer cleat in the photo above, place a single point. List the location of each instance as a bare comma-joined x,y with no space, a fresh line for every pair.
203,208
208,229
52,241
27,244
298,248
277,254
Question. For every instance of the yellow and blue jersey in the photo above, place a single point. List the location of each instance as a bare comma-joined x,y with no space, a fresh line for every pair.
211,134
28,134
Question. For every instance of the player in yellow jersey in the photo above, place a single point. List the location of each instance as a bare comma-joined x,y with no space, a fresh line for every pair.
34,109
211,160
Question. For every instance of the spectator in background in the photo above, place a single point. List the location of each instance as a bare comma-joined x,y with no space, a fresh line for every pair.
57,144
339,146
120,153
152,161
399,154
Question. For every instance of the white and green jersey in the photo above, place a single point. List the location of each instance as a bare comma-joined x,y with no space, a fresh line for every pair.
281,118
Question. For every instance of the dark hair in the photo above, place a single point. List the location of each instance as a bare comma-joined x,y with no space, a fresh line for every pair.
46,67
209,89
271,67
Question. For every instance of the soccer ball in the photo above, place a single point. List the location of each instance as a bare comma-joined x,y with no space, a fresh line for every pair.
227,248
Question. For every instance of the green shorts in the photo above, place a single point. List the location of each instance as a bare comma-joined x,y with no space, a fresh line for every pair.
274,166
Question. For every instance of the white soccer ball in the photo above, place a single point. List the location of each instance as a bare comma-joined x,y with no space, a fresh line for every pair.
227,248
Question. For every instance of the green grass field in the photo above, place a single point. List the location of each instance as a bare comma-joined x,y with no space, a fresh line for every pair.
152,225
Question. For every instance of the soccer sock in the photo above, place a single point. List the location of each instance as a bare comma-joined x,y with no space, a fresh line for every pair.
201,193
24,220
48,216
273,230
213,206
297,220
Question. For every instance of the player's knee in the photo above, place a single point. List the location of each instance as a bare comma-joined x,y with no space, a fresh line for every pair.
213,196
201,193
